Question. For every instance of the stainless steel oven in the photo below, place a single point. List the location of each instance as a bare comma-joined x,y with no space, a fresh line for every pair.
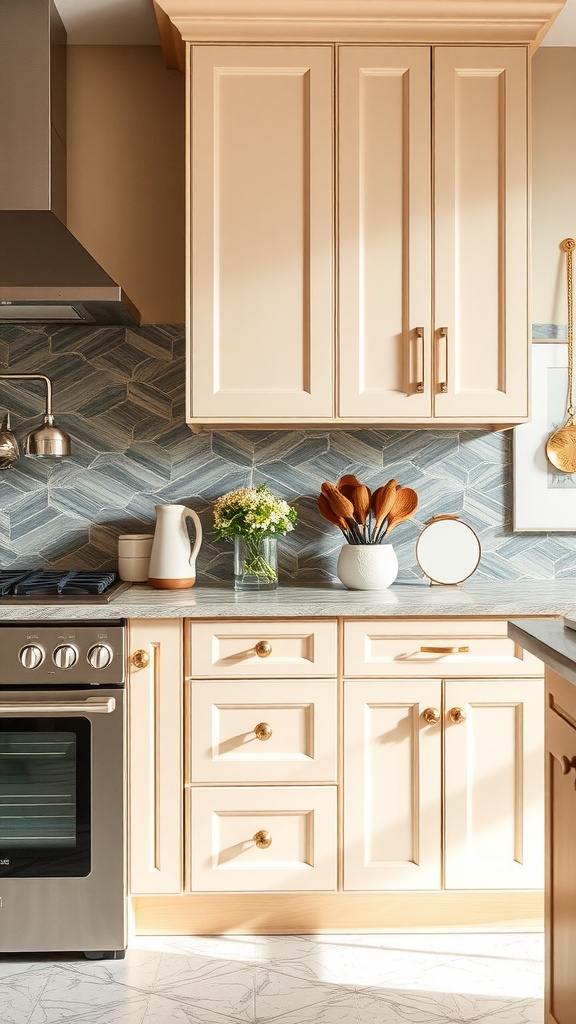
62,788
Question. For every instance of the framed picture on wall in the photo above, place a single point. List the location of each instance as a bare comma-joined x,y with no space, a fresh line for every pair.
544,497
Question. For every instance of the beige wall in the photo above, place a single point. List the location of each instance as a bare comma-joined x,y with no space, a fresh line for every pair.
126,133
553,177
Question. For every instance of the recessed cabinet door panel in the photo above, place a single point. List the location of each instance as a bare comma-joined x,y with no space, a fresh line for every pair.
272,731
263,839
262,233
156,767
392,813
494,817
480,232
384,231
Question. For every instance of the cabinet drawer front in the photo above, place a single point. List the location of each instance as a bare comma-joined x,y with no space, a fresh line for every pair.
295,825
274,731
263,648
433,648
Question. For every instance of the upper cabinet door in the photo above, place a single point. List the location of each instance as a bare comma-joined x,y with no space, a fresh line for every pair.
384,157
262,311
481,233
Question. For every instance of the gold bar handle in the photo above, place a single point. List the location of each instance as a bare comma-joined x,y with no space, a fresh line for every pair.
444,650
443,384
420,369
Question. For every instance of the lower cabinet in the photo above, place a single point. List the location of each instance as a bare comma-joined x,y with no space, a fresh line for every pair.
443,784
560,910
389,771
263,839
155,757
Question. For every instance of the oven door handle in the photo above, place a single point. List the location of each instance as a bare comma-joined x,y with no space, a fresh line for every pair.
92,706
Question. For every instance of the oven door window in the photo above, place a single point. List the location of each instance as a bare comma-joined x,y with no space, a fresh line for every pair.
45,797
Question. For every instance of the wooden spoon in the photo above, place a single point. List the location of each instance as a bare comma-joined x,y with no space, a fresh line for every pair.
361,501
342,506
382,501
347,480
403,508
328,513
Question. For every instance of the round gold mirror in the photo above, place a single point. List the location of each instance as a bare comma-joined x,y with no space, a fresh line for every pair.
448,551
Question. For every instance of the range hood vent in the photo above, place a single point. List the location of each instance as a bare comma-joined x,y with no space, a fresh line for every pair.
45,272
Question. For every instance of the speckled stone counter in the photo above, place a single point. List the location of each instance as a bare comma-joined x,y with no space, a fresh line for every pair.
551,641
474,599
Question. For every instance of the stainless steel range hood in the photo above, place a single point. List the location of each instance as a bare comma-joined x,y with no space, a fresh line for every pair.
45,273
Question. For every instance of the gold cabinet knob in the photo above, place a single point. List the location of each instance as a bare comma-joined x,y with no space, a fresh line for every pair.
431,716
140,659
567,764
262,839
457,715
263,648
263,731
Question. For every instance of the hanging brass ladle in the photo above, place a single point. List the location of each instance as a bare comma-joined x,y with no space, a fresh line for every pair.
561,445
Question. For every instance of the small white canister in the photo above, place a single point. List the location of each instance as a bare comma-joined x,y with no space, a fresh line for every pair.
134,556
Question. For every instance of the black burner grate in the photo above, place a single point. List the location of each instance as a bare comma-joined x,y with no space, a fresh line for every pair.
57,583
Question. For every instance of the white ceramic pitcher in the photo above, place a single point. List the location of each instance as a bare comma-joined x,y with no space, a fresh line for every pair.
173,558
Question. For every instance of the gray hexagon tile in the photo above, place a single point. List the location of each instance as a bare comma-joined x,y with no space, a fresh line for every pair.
121,395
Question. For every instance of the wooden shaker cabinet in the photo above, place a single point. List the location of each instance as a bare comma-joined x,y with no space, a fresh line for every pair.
358,235
560,906
155,781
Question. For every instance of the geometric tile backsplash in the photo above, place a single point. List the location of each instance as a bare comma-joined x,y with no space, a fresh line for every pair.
119,392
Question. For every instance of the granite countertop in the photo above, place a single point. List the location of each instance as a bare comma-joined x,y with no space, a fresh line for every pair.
473,599
551,641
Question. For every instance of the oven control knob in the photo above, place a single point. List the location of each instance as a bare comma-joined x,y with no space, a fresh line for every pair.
31,656
100,656
65,656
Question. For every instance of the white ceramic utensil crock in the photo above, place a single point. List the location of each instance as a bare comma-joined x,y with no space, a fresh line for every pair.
367,566
173,558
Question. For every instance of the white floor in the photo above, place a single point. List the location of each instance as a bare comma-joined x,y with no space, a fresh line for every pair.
329,979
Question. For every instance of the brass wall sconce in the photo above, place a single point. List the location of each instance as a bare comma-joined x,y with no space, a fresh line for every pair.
46,441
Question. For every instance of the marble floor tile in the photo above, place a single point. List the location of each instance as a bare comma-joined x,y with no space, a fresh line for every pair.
279,979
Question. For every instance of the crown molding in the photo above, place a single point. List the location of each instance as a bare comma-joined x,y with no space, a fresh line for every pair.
363,21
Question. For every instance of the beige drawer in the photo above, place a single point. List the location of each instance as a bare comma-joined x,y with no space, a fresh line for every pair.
272,731
263,648
417,647
227,824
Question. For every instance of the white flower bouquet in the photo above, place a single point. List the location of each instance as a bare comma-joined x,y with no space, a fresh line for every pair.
254,514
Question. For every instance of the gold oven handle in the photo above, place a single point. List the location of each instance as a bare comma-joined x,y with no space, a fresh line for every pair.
92,706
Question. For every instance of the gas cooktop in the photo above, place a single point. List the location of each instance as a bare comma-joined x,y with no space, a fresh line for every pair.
52,586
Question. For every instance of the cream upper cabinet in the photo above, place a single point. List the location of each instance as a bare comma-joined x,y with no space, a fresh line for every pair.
262,297
433,234
358,235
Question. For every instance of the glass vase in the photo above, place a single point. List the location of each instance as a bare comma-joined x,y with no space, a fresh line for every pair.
255,563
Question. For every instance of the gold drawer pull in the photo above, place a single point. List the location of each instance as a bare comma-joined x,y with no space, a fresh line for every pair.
567,764
263,648
444,650
140,659
457,715
262,839
431,716
263,731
